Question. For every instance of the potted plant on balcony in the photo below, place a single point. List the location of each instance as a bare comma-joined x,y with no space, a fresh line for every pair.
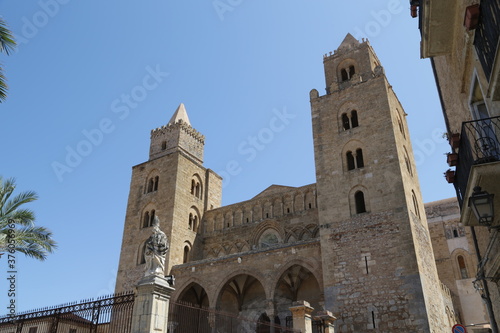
454,140
452,159
450,176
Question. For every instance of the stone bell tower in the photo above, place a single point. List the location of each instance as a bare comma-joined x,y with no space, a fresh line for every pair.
378,265
174,186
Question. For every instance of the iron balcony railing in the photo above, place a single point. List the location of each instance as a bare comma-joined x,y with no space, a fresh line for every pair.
487,34
479,144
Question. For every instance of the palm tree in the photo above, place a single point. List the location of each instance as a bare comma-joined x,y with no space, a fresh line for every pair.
19,224
7,45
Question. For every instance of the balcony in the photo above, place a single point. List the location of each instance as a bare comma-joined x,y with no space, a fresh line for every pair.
478,163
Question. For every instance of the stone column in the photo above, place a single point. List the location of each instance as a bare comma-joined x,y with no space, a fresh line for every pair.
327,318
270,313
301,312
151,305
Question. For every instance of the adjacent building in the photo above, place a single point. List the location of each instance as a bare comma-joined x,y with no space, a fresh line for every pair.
461,38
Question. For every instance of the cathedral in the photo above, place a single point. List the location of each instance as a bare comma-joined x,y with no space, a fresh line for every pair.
355,243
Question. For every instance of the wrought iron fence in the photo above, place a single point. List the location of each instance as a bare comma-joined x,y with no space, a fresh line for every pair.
189,318
318,326
111,314
479,144
487,34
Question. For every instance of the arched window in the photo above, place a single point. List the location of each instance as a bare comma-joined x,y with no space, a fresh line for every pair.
193,185
190,225
359,199
355,161
145,221
150,185
359,158
350,161
345,122
407,162
157,179
354,118
349,120
186,254
461,266
344,75
415,204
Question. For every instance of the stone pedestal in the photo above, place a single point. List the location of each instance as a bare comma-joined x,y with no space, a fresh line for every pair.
151,305
328,320
301,312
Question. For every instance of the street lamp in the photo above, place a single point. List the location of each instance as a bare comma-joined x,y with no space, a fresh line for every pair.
481,203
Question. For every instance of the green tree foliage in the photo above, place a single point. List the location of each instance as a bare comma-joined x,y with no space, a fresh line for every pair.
7,45
19,223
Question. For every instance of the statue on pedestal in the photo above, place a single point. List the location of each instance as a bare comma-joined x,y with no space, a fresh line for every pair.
156,250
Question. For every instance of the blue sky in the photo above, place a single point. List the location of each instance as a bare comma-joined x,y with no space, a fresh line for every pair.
94,77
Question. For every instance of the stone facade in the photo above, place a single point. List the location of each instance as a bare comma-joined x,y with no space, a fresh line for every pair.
355,243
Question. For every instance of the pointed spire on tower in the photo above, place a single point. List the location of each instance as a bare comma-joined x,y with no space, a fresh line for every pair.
180,114
349,42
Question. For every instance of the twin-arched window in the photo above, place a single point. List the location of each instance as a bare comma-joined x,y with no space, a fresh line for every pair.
152,184
347,73
196,187
355,160
193,222
148,218
350,120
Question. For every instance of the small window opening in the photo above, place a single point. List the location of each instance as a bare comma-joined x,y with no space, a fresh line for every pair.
455,233
186,254
151,185
351,71
350,161
354,118
373,319
267,215
145,222
344,75
345,122
288,210
366,264
143,257
195,223
156,183
164,145
359,158
415,204
463,269
197,190
310,205
247,219
359,199
192,186
190,225
152,218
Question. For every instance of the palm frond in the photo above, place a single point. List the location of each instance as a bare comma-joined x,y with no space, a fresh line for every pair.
7,41
18,200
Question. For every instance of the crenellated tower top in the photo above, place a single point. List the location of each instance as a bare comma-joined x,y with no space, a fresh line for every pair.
351,63
177,136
